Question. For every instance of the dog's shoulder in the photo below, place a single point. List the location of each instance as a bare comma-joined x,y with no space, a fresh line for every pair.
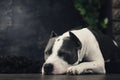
107,44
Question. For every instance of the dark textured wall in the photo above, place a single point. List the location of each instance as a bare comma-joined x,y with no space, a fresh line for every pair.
116,19
25,25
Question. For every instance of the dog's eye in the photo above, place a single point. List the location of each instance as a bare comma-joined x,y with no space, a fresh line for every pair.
47,53
62,54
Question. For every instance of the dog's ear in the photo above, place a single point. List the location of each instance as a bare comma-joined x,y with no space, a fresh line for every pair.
53,34
74,38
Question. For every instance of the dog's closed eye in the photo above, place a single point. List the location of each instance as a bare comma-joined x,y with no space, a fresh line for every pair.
63,55
47,53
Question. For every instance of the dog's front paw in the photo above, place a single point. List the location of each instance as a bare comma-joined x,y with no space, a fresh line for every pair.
75,70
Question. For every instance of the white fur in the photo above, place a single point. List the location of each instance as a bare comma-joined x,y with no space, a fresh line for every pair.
115,43
90,51
59,64
92,54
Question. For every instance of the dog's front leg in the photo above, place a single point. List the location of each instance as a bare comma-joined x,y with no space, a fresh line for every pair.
87,67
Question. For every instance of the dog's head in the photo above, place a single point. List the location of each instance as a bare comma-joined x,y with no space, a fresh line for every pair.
61,52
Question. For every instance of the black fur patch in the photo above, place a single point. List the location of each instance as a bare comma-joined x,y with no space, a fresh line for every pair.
68,51
108,48
48,50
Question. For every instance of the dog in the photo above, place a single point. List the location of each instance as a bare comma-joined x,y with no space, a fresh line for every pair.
79,51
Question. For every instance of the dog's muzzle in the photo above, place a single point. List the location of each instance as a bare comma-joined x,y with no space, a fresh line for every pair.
48,68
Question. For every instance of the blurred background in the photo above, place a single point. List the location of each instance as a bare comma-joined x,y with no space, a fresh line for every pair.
25,27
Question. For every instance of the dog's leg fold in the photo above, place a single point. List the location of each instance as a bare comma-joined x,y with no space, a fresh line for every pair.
87,67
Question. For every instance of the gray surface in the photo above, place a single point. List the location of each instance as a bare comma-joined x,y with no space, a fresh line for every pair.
58,77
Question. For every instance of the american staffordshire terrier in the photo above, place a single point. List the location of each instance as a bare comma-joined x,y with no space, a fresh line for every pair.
79,51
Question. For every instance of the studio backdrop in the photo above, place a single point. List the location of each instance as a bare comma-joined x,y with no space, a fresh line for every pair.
25,27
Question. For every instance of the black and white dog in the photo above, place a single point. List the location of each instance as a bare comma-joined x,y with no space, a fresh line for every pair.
78,52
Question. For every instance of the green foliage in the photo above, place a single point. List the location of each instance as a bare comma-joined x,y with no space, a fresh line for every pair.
104,23
89,9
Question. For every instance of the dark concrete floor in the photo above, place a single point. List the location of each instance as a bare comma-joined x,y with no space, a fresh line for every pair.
58,77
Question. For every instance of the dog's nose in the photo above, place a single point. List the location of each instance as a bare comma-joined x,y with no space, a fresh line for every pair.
48,68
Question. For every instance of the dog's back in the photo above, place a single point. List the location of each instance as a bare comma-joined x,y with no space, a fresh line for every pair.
110,51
